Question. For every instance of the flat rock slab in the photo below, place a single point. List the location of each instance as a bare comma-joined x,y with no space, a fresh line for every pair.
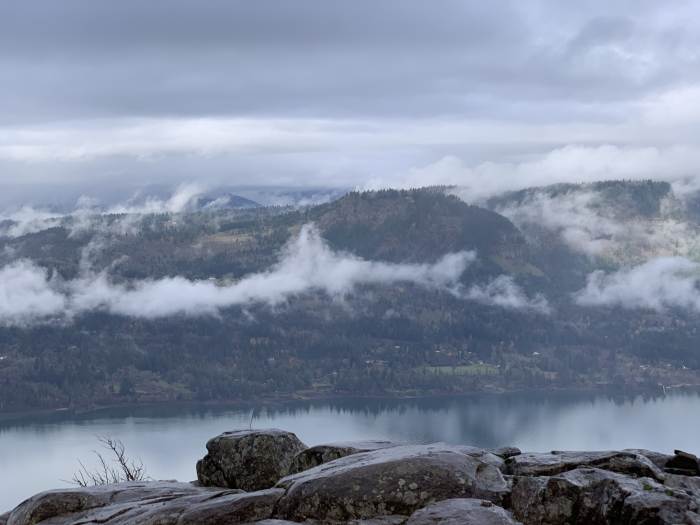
396,480
506,452
320,454
657,458
145,503
235,508
590,496
248,459
683,463
381,520
462,512
556,462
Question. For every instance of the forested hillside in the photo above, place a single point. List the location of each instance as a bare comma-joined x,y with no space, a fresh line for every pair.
379,293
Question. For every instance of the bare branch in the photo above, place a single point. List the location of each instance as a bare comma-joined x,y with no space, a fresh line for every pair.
117,470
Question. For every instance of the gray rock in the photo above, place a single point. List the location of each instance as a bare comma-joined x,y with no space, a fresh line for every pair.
689,484
593,496
462,512
506,452
535,464
273,522
248,459
397,480
233,508
483,455
657,458
381,520
683,463
124,503
320,454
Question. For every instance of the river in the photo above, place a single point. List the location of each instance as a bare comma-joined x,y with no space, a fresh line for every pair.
39,452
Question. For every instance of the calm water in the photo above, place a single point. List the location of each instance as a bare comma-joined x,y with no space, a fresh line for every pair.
38,452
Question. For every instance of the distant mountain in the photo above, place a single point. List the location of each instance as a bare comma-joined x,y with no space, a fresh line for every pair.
222,201
421,226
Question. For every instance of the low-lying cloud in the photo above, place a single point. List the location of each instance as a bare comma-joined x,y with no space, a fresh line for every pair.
87,214
571,163
504,292
28,294
659,284
588,224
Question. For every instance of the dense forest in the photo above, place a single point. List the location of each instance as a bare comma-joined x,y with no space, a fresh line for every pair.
509,323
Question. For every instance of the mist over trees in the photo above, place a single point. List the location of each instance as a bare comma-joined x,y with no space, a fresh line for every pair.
373,302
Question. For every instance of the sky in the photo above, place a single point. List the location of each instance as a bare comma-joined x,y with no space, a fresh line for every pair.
99,97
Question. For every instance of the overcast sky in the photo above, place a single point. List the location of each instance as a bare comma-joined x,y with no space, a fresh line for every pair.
98,95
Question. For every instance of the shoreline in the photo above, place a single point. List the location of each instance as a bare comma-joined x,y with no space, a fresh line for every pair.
282,401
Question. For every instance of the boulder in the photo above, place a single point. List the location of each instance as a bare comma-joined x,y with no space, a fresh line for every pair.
248,459
462,512
657,458
506,452
396,480
320,454
131,503
556,462
483,455
683,463
593,496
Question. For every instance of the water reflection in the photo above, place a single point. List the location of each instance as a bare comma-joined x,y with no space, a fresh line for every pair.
38,452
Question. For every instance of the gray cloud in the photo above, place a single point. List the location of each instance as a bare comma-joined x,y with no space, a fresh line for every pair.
332,93
659,284
333,58
87,215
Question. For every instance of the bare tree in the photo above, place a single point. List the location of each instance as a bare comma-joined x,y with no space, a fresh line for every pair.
117,469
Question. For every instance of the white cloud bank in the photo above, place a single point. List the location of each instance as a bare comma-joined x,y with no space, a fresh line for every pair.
29,295
27,220
573,163
659,284
590,225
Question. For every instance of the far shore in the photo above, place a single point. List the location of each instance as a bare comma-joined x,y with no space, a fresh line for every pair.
280,402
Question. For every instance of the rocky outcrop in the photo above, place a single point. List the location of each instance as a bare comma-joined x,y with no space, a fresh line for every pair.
320,454
381,483
506,452
234,508
683,463
248,459
397,480
557,462
462,512
165,503
594,496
